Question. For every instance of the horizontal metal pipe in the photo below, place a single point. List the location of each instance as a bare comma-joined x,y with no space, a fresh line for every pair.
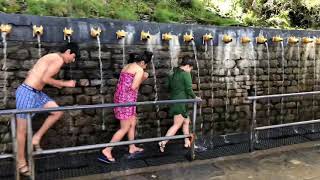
283,95
109,105
288,124
4,156
95,146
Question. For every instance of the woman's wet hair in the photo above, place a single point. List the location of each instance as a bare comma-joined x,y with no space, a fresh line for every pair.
146,56
74,48
187,61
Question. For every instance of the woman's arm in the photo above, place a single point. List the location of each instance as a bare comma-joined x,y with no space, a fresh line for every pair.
137,79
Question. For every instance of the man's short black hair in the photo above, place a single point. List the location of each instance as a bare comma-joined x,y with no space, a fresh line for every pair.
74,48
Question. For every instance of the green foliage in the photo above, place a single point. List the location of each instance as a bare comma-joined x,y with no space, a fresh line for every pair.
87,8
165,13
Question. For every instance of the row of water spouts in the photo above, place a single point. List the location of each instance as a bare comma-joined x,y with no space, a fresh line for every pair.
121,34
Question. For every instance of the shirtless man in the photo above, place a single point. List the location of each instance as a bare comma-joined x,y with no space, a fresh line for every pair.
29,95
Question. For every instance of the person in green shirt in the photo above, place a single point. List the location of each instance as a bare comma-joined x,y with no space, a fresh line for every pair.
180,87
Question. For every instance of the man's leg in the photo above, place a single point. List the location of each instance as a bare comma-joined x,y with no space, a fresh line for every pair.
50,121
21,138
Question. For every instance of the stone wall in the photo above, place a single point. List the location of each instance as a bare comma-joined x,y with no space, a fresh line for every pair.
227,75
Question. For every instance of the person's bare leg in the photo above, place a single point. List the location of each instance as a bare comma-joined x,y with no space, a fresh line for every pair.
177,123
50,121
21,138
124,128
185,130
131,134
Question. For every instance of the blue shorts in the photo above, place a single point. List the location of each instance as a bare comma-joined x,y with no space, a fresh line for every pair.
27,97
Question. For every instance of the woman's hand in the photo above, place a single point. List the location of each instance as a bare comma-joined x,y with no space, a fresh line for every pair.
145,76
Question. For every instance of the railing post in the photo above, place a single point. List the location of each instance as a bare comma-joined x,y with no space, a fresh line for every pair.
15,146
253,126
30,147
194,117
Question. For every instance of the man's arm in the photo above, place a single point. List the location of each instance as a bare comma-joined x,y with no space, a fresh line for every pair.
52,69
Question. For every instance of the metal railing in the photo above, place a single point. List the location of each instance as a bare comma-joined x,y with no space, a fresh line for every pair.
254,128
32,153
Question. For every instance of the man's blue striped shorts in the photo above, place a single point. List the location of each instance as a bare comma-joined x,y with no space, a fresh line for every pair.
27,97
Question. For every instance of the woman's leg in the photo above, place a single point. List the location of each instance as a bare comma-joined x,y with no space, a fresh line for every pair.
124,128
131,135
185,129
177,123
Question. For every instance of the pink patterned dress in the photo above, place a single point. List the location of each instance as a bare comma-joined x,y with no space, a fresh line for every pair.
125,94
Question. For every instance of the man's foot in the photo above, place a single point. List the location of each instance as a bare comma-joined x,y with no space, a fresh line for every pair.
36,143
24,170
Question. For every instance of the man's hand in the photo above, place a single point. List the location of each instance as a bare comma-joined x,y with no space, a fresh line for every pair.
70,83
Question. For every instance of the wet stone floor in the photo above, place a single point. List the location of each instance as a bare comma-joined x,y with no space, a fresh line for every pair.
296,164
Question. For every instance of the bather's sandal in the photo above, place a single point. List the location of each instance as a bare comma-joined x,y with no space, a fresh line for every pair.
162,145
24,170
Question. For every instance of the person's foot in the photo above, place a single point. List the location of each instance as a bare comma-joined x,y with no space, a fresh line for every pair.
24,170
135,149
187,143
107,153
36,143
162,145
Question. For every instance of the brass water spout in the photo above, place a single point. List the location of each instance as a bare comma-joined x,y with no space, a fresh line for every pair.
188,37
37,30
277,39
226,38
261,40
318,41
121,34
166,36
145,35
95,32
67,32
5,28
307,40
245,40
207,37
293,40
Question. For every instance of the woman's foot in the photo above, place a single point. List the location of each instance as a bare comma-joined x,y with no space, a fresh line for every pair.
107,153
135,149
187,143
162,145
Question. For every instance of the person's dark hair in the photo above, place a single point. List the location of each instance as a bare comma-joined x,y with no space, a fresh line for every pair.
74,48
187,61
137,57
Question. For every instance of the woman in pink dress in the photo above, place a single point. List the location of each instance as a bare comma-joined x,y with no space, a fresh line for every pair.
131,77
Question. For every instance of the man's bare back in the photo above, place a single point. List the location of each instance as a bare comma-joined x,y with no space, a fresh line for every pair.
44,70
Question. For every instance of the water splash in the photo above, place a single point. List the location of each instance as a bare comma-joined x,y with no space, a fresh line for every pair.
314,87
39,45
154,39
103,126
198,74
282,86
268,90
123,44
212,89
4,68
174,48
70,67
227,101
298,102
